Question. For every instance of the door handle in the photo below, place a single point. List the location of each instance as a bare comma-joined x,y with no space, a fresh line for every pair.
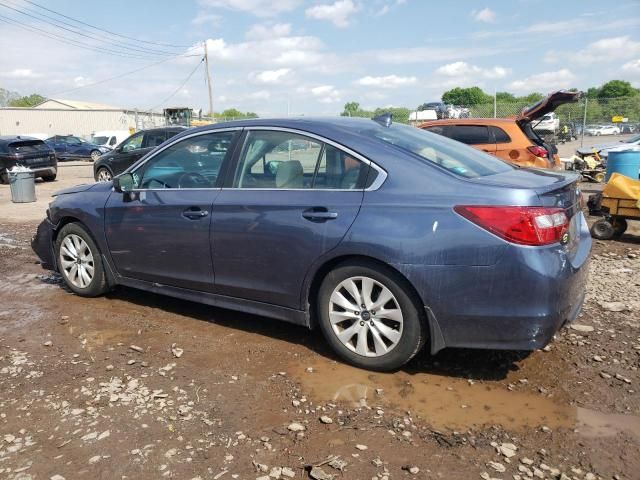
194,213
319,214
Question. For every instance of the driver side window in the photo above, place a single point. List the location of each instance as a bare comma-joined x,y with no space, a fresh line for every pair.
133,143
191,163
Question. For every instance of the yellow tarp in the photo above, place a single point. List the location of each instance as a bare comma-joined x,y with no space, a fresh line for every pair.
626,188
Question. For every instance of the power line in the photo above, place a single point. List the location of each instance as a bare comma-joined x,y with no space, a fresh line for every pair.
74,29
106,31
179,88
99,82
67,40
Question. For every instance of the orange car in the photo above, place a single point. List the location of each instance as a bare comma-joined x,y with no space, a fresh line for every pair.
513,140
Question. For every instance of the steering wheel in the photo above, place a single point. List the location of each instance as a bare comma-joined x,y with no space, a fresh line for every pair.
193,180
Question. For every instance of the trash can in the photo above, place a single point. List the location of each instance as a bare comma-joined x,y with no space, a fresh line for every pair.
23,186
625,161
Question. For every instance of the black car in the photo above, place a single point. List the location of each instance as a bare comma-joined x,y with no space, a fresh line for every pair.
28,152
439,107
130,151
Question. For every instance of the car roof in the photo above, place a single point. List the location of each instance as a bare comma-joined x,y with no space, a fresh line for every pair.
13,138
469,121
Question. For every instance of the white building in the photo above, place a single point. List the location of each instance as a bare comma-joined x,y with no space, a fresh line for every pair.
71,117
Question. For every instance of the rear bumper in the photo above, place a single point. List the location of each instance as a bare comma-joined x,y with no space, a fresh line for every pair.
519,303
42,244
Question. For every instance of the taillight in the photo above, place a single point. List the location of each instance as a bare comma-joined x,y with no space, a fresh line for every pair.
538,151
522,225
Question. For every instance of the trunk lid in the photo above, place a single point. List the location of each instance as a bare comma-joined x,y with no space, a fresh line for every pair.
547,105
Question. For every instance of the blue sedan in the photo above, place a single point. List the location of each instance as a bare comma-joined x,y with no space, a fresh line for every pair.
68,147
385,237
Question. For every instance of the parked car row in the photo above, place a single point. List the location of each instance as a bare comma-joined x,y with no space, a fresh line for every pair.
597,130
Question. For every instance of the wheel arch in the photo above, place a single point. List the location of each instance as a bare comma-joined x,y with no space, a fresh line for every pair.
436,340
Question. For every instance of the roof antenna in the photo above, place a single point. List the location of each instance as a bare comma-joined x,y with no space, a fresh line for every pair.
386,119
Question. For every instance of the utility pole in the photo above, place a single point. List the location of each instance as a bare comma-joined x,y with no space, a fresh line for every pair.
584,120
206,66
495,103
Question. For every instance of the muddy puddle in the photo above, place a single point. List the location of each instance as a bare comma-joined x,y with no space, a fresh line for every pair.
452,403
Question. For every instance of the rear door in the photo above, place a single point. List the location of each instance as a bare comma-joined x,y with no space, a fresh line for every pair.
477,136
291,197
59,144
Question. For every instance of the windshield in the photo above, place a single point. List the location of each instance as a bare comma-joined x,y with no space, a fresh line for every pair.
99,140
449,154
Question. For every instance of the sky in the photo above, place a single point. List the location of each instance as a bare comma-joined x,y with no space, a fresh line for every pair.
310,57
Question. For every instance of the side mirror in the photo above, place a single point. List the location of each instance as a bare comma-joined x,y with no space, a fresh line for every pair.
123,183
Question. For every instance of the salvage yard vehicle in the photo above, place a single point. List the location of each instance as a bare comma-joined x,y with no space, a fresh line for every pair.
384,236
130,151
28,152
68,147
602,149
597,130
512,140
617,203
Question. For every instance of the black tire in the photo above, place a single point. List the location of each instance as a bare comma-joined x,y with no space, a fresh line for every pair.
50,178
103,171
602,230
98,284
414,329
4,178
94,155
619,226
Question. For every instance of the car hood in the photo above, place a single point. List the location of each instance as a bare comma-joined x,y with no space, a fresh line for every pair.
601,146
101,186
547,105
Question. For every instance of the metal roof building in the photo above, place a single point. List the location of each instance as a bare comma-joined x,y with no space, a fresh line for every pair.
72,117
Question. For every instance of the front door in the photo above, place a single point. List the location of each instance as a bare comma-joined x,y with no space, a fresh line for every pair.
291,198
129,152
159,232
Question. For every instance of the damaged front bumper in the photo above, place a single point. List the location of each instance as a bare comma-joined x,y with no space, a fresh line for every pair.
42,244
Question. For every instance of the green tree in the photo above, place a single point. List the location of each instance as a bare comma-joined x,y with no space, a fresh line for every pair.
234,113
400,114
531,98
27,101
466,96
7,96
352,109
505,97
616,88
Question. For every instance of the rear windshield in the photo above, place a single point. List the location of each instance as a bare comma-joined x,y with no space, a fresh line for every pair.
453,156
28,146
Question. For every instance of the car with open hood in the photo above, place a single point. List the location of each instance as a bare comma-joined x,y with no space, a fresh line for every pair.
513,140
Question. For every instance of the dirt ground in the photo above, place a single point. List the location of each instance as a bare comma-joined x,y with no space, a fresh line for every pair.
135,385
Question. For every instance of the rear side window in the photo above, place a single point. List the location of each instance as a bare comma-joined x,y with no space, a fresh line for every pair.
500,135
458,159
154,139
28,146
469,134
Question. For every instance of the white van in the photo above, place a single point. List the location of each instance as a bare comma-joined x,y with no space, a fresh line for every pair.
109,138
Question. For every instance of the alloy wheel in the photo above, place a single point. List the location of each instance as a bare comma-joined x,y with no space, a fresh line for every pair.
95,155
365,316
76,260
104,175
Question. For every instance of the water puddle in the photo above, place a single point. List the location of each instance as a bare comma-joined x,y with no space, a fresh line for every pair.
453,403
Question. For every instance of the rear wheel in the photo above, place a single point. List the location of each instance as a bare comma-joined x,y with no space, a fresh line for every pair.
95,155
619,226
368,316
79,261
602,230
49,178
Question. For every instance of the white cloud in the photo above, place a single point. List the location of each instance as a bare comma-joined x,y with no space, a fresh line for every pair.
389,81
259,8
462,69
20,73
268,31
545,82
485,15
632,69
326,94
204,18
270,76
338,12
387,7
607,49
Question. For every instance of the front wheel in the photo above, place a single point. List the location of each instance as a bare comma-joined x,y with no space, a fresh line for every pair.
368,316
103,175
79,261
